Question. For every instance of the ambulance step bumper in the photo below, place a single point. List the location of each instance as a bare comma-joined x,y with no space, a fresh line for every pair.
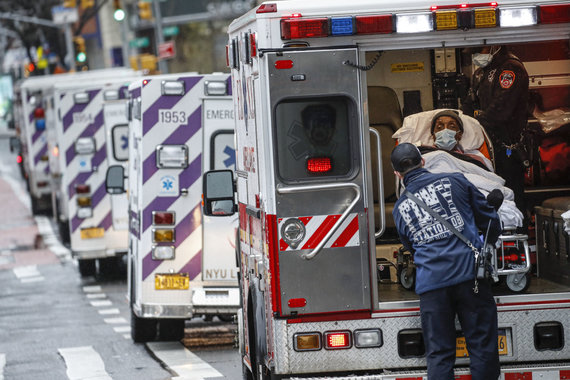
163,311
215,300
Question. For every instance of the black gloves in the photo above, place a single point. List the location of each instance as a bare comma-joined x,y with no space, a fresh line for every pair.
495,198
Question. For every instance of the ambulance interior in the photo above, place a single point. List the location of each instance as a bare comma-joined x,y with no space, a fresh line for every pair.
407,82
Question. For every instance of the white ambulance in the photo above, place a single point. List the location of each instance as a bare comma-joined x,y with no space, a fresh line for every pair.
82,202
37,121
181,263
319,89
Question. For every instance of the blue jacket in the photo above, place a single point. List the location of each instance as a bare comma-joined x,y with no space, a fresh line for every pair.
441,258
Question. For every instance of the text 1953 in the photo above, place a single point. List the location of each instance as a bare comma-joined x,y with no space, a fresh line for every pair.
170,117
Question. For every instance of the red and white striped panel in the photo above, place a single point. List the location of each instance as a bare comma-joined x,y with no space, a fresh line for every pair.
318,226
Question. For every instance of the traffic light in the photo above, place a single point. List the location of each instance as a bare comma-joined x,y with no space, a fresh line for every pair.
145,10
87,4
119,12
80,54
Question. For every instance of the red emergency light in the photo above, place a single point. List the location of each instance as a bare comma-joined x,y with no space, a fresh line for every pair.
374,24
163,218
319,164
39,113
554,14
304,28
82,189
337,340
267,8
19,159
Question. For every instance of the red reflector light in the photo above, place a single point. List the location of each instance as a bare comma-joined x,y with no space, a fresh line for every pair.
163,218
253,45
374,24
304,28
19,159
145,82
554,14
267,8
42,184
39,113
319,165
337,340
509,244
82,189
297,302
283,64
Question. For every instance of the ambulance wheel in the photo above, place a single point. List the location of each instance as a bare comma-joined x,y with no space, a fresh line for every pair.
171,330
35,203
87,267
64,231
408,280
142,329
518,282
226,317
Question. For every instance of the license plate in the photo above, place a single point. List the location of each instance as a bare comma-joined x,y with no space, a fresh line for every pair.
461,345
92,233
176,281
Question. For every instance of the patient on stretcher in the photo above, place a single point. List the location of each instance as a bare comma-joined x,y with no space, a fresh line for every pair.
453,142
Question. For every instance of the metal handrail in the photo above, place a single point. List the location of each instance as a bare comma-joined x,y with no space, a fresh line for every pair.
328,186
379,233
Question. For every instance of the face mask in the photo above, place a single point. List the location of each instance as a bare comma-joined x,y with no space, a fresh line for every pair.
445,139
482,60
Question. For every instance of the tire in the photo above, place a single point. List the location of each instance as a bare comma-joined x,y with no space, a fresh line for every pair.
408,281
63,227
142,329
111,266
36,208
87,267
171,330
226,317
518,283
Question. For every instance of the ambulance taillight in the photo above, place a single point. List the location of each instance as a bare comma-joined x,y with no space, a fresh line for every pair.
163,218
319,165
82,189
337,340
554,14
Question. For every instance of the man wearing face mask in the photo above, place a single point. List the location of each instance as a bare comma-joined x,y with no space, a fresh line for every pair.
498,100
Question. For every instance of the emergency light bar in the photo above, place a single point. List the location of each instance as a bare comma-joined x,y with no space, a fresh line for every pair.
554,14
414,22
512,17
111,95
163,252
337,340
319,165
172,88
163,218
215,88
85,145
81,98
171,156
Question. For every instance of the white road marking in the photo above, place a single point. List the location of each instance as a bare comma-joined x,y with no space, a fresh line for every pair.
126,336
26,271
115,321
108,311
182,361
122,329
84,363
16,186
2,365
50,238
96,295
32,279
92,289
101,303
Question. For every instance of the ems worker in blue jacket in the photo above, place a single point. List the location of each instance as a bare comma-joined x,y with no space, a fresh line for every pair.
445,265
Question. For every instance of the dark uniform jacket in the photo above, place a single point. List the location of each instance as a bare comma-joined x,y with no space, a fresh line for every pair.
500,93
441,258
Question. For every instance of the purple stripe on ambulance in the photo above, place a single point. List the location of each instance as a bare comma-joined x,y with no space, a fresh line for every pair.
68,117
36,136
96,198
134,222
182,230
229,85
182,133
194,266
31,116
39,155
89,131
157,204
150,116
107,221
135,93
82,178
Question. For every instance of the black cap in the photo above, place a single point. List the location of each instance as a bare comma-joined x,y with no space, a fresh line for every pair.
405,157
449,113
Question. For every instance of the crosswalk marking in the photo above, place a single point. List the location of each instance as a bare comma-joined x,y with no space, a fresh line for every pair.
50,238
92,289
28,273
122,329
96,295
2,365
179,359
84,363
115,321
108,311
101,303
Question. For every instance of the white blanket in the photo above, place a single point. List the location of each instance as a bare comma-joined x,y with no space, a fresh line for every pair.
485,181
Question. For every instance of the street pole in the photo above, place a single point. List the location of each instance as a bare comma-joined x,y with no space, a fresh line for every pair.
69,46
158,35
124,32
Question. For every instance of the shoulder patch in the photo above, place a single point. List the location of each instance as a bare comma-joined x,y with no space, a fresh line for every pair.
507,78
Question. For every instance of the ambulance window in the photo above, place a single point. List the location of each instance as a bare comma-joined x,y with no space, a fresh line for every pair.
314,138
223,154
120,137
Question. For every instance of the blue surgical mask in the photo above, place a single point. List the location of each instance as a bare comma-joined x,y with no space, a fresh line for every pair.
482,60
445,139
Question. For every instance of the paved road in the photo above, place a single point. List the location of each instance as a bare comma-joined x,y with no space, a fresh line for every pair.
56,325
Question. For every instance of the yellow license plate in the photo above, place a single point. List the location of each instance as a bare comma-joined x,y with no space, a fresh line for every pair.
176,281
461,346
92,233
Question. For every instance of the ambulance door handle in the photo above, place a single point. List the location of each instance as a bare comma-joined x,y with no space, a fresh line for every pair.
330,186
379,233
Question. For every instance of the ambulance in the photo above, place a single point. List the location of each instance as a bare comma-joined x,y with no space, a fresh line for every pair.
83,205
320,87
36,121
181,264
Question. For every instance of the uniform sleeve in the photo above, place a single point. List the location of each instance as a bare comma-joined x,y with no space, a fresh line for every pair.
484,213
510,81
401,229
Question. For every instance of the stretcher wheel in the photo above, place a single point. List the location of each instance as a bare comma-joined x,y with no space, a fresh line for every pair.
408,278
518,282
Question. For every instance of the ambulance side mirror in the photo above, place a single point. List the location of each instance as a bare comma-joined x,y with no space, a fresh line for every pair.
115,180
218,193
